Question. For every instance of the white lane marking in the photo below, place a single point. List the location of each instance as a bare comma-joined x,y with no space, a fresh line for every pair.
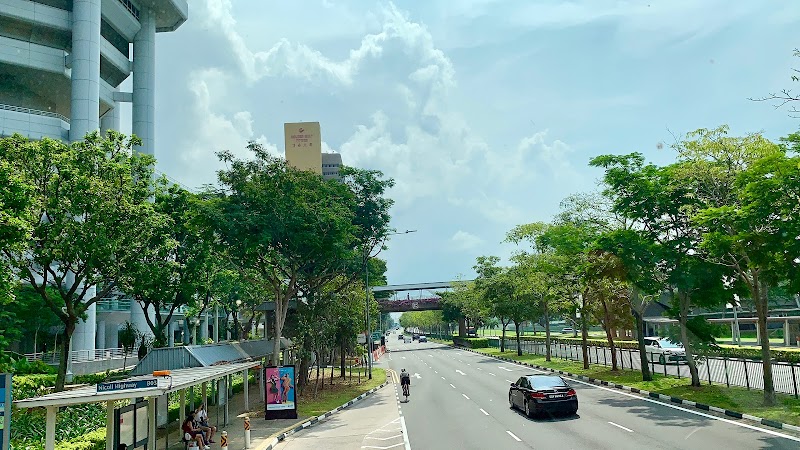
513,436
690,434
405,433
403,357
620,426
451,385
509,381
436,371
484,412
383,438
431,356
506,369
490,373
465,396
479,368
382,448
462,373
417,376
443,378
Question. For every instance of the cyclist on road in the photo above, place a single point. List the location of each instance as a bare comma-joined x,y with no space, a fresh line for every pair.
405,381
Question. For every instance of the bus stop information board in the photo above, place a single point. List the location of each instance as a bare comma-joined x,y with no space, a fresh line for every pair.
5,410
125,385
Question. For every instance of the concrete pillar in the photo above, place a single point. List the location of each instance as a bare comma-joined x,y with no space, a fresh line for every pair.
216,324
794,333
85,60
110,425
111,120
151,423
144,81
182,410
138,319
100,334
112,336
786,333
245,374
185,331
758,334
50,429
171,333
204,328
83,339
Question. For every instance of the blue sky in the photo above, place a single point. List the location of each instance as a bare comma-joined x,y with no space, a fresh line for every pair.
484,112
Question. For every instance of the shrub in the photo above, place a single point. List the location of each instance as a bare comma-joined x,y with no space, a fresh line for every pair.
471,342
94,440
22,366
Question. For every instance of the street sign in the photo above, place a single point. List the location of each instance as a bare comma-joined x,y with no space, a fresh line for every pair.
362,339
5,410
126,385
376,336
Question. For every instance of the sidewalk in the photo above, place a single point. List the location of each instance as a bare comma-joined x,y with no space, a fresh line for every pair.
260,428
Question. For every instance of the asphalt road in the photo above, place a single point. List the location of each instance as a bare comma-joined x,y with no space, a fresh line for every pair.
459,400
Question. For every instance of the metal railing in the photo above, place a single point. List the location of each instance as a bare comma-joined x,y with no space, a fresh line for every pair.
747,373
130,7
80,355
33,111
124,304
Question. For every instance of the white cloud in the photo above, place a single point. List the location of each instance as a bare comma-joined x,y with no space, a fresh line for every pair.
463,240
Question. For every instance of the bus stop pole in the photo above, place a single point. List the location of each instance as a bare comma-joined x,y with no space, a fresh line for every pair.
151,423
50,429
245,374
110,425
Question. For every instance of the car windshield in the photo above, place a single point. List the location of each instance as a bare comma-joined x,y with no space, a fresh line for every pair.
665,343
546,382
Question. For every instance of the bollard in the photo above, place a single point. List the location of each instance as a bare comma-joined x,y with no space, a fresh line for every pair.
223,440
246,432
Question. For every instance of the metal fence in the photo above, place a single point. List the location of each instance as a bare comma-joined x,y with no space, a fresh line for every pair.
746,373
80,355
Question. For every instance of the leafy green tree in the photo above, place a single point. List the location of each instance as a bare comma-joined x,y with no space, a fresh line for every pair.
91,204
282,224
495,291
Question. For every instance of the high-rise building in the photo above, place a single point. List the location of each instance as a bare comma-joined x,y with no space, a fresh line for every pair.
61,65
331,162
62,62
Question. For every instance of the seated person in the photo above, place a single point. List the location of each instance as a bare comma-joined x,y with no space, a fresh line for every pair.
192,433
201,421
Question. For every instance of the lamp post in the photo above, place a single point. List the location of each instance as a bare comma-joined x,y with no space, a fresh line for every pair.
366,302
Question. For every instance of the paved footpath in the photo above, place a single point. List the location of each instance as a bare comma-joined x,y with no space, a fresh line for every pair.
373,423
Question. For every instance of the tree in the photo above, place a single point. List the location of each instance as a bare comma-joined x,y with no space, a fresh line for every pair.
128,336
91,204
785,96
166,270
281,224
495,291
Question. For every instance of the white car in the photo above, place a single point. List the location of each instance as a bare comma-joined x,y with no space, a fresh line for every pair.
664,349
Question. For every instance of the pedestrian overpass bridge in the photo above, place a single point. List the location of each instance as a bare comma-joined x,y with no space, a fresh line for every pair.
426,303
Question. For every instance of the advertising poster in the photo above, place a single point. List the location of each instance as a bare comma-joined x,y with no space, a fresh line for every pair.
280,392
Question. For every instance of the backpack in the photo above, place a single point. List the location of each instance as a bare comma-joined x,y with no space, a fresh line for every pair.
405,377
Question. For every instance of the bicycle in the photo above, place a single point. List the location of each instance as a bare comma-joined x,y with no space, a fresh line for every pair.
405,391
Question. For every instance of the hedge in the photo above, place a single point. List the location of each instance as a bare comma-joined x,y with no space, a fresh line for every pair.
471,342
94,440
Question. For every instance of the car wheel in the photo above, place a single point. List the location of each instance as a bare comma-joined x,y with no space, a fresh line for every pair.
528,409
662,360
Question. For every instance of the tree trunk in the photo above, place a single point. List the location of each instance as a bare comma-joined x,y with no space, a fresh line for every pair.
69,329
519,348
684,300
611,346
760,295
585,335
341,361
646,375
547,354
462,327
503,337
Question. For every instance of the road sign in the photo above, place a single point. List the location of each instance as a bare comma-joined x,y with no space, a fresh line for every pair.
362,339
376,336
5,410
126,385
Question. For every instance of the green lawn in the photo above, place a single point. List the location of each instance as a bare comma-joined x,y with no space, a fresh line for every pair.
737,399
342,391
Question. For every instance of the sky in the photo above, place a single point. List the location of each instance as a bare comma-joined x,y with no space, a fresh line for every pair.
484,112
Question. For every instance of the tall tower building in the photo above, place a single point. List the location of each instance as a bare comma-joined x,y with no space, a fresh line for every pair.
62,62
331,162
61,65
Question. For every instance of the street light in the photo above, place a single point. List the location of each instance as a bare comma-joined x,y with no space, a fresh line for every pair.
366,300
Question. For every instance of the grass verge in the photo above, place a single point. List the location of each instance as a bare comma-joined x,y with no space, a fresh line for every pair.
786,410
332,396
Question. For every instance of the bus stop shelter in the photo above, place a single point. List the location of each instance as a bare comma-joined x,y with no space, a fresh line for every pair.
131,388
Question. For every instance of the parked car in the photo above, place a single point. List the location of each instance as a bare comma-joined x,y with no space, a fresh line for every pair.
535,394
664,349
400,336
567,330
423,339
415,336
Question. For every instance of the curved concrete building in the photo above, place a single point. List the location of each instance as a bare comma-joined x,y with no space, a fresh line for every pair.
61,65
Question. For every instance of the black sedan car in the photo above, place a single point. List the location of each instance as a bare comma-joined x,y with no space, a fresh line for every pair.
535,394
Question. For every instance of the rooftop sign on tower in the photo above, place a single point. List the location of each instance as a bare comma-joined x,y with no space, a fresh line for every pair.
303,146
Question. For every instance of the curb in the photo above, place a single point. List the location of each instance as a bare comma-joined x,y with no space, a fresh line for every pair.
666,398
273,440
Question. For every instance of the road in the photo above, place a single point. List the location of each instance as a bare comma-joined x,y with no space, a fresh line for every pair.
459,400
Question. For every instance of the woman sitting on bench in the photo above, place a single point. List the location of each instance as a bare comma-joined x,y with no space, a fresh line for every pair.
191,433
